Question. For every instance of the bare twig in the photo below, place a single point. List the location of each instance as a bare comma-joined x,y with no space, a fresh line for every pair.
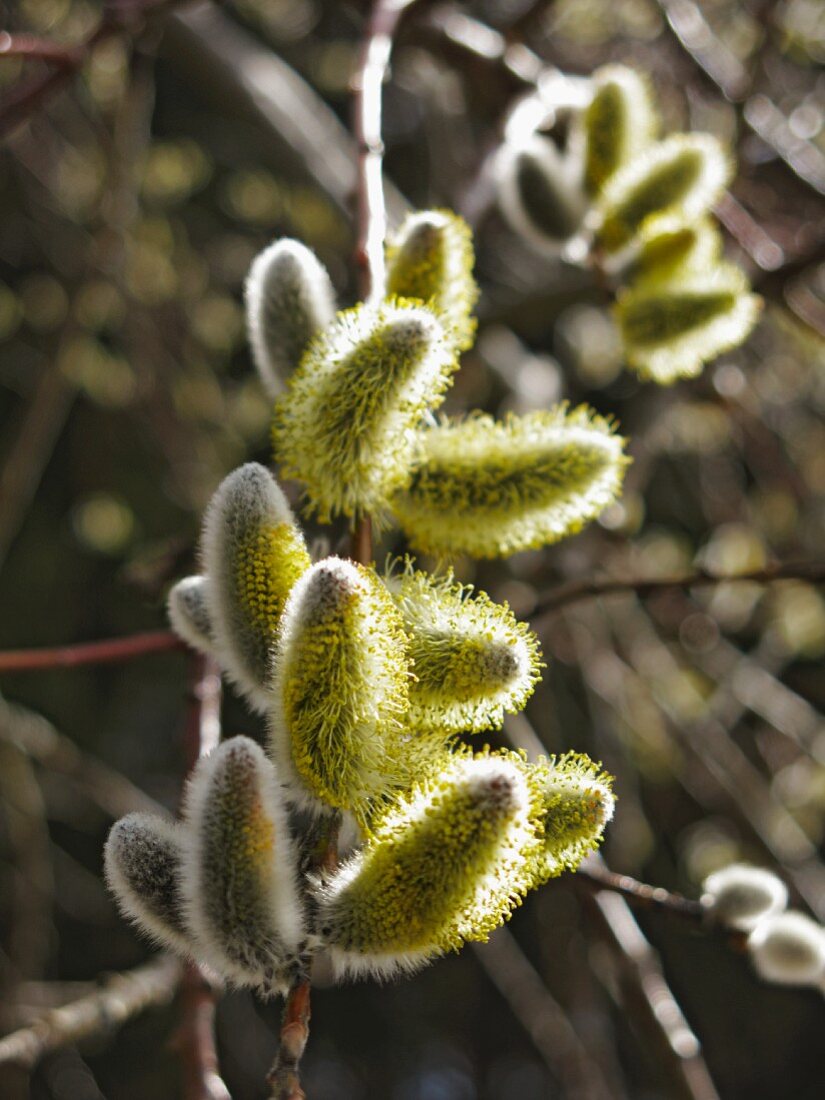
110,651
594,873
564,595
119,999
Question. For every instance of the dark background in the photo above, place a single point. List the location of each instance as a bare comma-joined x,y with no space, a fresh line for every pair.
132,205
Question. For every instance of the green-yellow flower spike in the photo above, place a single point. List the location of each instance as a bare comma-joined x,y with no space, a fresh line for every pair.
540,193
671,249
188,609
253,553
341,691
345,426
239,883
619,123
683,175
472,659
444,866
289,298
491,488
430,259
575,804
143,861
670,332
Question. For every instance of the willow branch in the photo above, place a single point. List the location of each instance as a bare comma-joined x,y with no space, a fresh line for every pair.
109,651
595,874
564,595
120,998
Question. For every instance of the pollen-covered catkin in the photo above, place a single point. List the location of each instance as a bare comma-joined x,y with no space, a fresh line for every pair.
491,488
740,895
684,175
540,193
443,867
239,882
143,862
670,331
672,249
473,660
341,691
345,426
430,259
289,298
619,123
188,608
575,804
253,553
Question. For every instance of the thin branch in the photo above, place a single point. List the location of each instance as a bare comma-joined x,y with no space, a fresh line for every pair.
371,215
119,999
109,651
594,873
564,595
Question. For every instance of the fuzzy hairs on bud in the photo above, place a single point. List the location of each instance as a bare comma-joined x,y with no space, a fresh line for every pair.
345,425
143,864
540,193
239,884
188,610
441,868
253,553
739,895
788,949
489,488
473,661
340,691
289,299
682,175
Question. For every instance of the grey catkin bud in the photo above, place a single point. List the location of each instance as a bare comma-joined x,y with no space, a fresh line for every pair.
540,193
789,949
143,862
239,889
740,896
253,553
188,610
289,298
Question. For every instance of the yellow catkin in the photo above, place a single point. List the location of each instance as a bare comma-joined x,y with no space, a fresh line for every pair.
490,488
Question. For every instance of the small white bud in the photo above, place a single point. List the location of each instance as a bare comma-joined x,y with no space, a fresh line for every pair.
189,613
289,298
788,948
740,896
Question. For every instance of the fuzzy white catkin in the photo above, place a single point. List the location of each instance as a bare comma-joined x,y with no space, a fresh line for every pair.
789,949
289,298
739,896
188,607
238,885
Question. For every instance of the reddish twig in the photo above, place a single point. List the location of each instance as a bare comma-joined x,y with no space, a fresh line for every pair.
110,651
594,873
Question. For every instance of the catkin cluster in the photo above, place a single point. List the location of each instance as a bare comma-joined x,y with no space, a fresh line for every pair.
637,207
372,683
